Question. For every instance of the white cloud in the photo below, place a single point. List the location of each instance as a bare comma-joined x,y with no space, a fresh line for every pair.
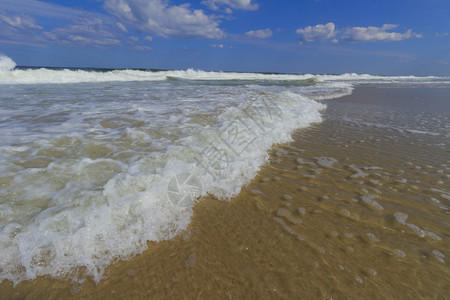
259,34
76,27
121,27
142,48
39,23
22,22
317,33
354,34
438,34
42,9
372,33
87,32
159,18
443,61
148,38
18,29
236,4
221,46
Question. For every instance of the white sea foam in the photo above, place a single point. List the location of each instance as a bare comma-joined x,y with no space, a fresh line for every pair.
86,167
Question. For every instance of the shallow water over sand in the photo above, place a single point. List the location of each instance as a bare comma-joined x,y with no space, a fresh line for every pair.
356,207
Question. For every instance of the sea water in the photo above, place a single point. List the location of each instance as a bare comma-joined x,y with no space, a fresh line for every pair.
96,163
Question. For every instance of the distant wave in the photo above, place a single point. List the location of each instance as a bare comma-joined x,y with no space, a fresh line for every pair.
11,75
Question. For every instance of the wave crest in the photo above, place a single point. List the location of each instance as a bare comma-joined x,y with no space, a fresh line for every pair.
6,63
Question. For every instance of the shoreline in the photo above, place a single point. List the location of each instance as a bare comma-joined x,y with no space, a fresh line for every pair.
304,226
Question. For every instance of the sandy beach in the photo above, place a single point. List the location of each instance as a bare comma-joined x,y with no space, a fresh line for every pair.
355,207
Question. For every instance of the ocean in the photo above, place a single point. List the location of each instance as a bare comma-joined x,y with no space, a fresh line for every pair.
95,164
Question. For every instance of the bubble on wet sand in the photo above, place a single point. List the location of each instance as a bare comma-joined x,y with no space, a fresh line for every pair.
289,229
359,279
190,261
369,199
435,200
287,197
357,173
284,213
345,212
399,252
373,272
327,162
372,237
257,191
439,256
401,217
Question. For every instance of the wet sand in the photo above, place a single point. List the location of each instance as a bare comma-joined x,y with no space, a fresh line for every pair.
355,207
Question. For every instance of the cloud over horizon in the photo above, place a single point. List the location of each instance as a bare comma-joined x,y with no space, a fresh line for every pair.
372,33
328,31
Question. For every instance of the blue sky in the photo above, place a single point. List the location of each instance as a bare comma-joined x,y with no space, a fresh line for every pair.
396,37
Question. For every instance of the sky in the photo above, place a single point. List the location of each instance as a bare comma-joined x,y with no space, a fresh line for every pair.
383,37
